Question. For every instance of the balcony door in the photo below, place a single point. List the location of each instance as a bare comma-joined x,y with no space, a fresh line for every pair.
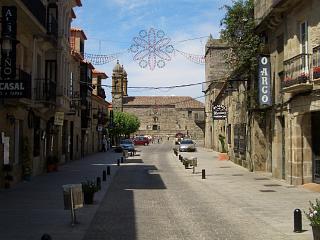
304,47
315,131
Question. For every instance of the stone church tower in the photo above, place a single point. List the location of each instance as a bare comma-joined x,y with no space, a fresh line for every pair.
119,87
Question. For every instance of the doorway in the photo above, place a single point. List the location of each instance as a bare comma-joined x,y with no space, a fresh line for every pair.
71,140
315,133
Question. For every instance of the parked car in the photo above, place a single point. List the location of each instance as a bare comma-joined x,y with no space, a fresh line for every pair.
127,144
141,141
187,145
179,137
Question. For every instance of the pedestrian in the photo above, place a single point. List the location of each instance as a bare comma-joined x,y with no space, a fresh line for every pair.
46,237
104,143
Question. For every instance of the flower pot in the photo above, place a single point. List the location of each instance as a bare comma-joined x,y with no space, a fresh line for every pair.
88,197
316,232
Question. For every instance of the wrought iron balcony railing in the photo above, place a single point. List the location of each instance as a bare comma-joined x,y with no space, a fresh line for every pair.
297,70
45,90
38,10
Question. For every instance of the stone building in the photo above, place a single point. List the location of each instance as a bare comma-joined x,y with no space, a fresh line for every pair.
34,39
162,116
290,30
232,124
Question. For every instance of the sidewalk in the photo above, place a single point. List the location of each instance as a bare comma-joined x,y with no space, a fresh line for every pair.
254,195
33,208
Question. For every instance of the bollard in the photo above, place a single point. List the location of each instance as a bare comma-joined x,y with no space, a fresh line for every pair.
108,170
104,175
297,221
193,169
99,183
121,159
46,237
118,162
203,174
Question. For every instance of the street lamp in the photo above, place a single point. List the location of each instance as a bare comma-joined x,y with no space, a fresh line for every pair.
6,45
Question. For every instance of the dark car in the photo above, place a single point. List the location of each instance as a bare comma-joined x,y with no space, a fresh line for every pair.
141,141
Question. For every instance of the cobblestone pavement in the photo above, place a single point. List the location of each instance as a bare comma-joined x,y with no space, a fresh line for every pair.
154,197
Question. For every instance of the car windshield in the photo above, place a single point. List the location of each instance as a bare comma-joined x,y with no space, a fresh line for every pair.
187,142
127,141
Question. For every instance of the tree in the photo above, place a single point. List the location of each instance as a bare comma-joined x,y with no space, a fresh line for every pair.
239,32
124,123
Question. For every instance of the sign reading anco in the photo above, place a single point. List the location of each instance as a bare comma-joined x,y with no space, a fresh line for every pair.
264,81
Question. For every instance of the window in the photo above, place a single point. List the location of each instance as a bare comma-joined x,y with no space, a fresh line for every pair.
189,114
155,127
155,119
196,116
304,46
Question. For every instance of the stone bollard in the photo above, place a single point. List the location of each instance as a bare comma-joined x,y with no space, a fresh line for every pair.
108,170
203,174
297,221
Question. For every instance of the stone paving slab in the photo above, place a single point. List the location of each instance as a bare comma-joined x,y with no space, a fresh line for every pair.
249,194
32,208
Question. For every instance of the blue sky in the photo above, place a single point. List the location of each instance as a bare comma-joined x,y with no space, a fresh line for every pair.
111,25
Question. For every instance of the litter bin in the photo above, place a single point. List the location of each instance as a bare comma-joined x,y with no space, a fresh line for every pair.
77,196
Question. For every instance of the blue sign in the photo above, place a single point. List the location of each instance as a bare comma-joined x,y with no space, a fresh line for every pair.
264,81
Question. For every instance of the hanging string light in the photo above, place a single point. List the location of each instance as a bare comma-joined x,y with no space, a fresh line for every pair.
100,59
199,59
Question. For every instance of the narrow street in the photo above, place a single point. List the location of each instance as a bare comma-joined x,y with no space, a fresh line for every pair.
154,197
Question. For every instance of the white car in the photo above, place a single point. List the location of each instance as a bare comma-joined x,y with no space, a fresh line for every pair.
187,145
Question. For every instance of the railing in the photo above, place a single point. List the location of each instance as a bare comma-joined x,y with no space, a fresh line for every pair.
38,10
52,26
296,70
45,90
316,62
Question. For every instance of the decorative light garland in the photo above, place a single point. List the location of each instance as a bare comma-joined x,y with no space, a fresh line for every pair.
150,48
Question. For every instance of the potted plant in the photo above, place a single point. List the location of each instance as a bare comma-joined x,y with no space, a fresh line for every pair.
52,163
303,77
89,188
316,72
314,217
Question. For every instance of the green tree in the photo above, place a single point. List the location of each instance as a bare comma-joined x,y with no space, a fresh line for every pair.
124,124
239,32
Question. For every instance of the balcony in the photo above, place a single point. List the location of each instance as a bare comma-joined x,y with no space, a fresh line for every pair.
45,91
38,10
296,74
316,64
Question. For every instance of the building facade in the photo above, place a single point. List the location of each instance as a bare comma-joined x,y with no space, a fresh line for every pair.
291,33
161,116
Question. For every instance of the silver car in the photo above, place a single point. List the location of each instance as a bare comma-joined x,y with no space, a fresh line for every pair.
187,145
127,144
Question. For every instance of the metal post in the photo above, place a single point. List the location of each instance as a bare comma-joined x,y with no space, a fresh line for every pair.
297,218
99,183
108,170
118,162
203,174
73,214
193,169
121,159
104,175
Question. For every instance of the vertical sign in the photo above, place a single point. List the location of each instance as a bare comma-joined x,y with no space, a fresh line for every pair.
264,81
8,34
